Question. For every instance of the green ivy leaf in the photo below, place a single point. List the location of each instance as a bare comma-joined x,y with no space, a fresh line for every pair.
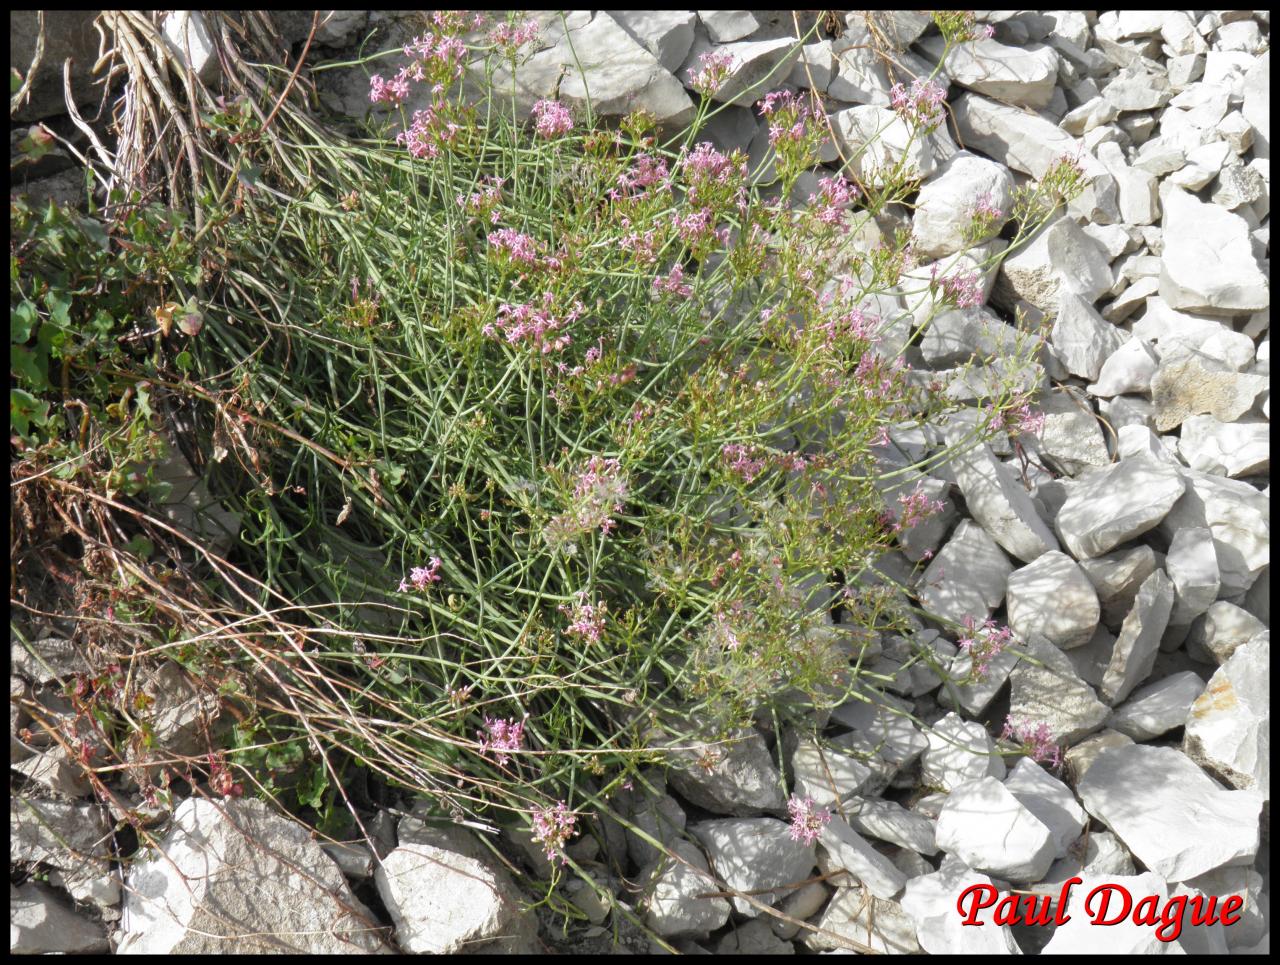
24,409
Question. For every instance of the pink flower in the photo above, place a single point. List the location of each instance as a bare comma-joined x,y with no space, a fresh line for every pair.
645,172
586,619
915,508
482,204
1035,740
552,827
789,118
806,823
712,175
510,37
983,643
422,577
833,196
533,325
514,245
743,461
389,92
551,119
673,284
962,288
921,104
429,133
986,207
714,68
599,489
501,736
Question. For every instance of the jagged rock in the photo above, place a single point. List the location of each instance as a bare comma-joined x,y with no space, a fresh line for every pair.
1053,597
753,938
866,922
1230,449
181,713
758,66
1051,691
1196,384
967,577
1257,104
843,847
825,774
1085,754
1138,198
754,855
1238,516
1139,640
1114,505
875,140
1215,634
972,693
47,659
667,34
1158,707
945,206
930,900
1013,75
860,77
815,68
67,34
741,781
1008,842
882,732
726,26
673,887
801,904
1071,438
1060,259
1248,885
660,817
1049,800
889,821
1174,818
1082,338
40,924
959,751
1129,368
1228,729
1104,857
1032,144
1116,578
955,336
58,771
73,838
1208,263
235,868
1192,565
1000,504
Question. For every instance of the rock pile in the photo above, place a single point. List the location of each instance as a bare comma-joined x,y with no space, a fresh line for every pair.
1126,543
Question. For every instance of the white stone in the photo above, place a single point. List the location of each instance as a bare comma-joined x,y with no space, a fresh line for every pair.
1248,885
959,751
1208,260
194,895
1079,936
1196,384
1051,691
1071,438
1049,800
964,690
1216,633
1174,818
1139,639
1058,260
1135,88
1129,368
815,67
826,775
741,781
1257,104
998,502
1081,337
1116,504
1192,564
967,577
1052,596
1178,335
881,728
868,924
40,923
1139,201
1032,144
674,885
991,831
1226,448
754,855
861,77
1158,707
1023,75
187,35
1238,185
953,337
1228,729
757,67
1238,516
931,901
667,34
1084,755
873,140
945,205
890,821
847,849
725,26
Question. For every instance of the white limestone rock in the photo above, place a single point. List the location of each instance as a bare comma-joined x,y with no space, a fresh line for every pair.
1103,857
1051,691
998,502
971,693
742,780
1215,634
758,66
673,887
659,817
1071,438
1248,885
955,336
1257,104
1031,144
1079,936
1139,639
959,751
826,775
1208,260
1082,338
931,902
667,34
187,36
889,821
967,577
1053,597
1129,368
1138,198
726,26
1022,75
1060,259
1192,565
1049,800
193,894
815,68
1232,449
845,848
40,923
880,729
1084,755
1158,707
945,205
72,838
1238,516
754,855
861,76
1228,729
1174,818
1114,505
990,830
874,139
867,923
1196,384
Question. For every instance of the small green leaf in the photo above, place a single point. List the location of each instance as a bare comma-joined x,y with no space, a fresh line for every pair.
59,306
184,361
26,367
22,321
24,409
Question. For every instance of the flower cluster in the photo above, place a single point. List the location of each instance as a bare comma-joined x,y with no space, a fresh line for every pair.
1034,739
792,133
1025,419
600,489
714,68
833,196
552,827
985,219
645,172
432,130
586,620
852,325
421,577
482,205
920,104
536,325
394,91
551,119
983,643
672,284
960,26
806,820
698,230
510,37
643,247
500,737
964,288
712,177
746,462
515,246
914,508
